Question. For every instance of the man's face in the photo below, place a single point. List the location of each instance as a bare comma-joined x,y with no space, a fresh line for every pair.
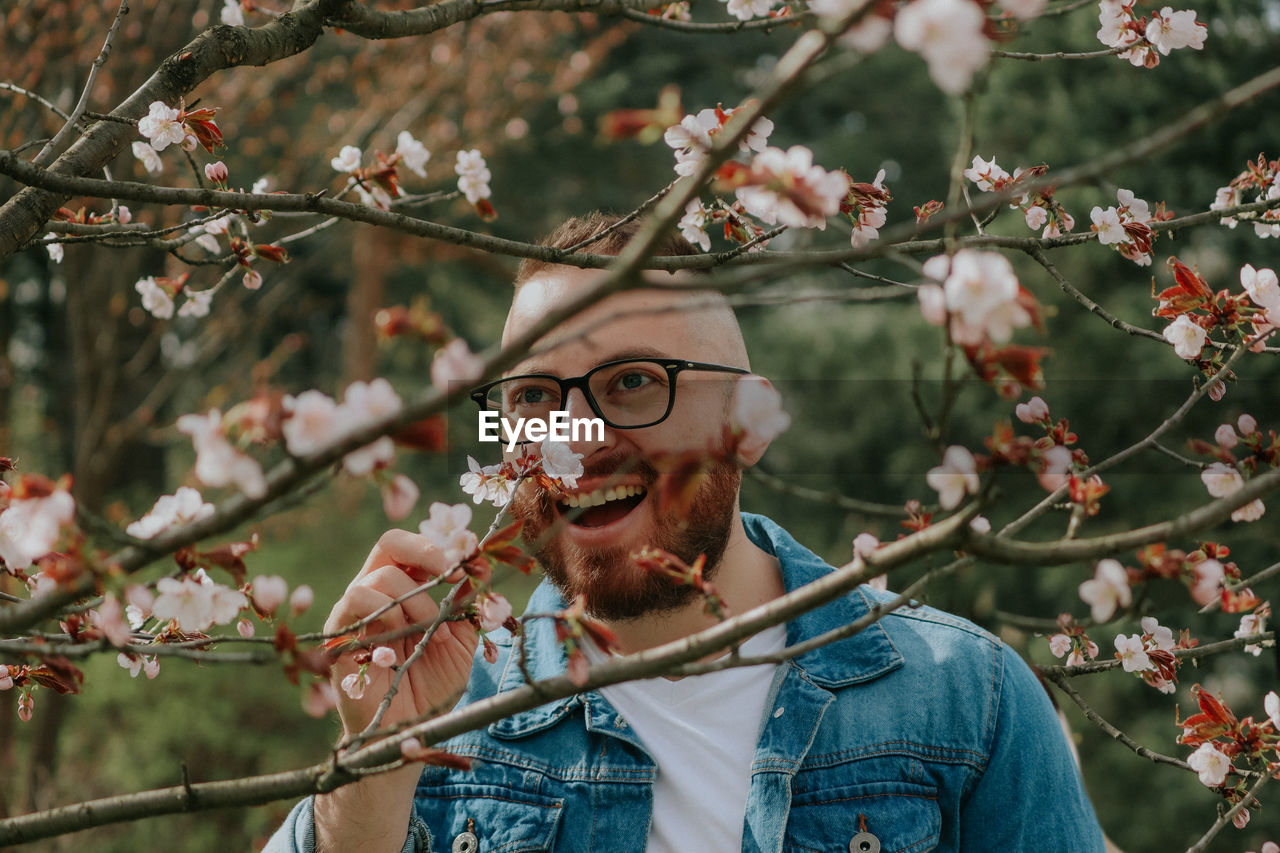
588,551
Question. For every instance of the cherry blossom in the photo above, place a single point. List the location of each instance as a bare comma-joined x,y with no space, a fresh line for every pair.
196,603
109,618
982,293
1025,9
1055,468
354,684
1221,479
1187,337
865,544
1251,624
1107,590
30,527
1271,704
986,173
1034,411
301,599
1059,645
1133,657
232,13
140,600
162,126
1107,225
148,157
217,462
868,35
493,610
1211,764
955,477
1247,424
216,172
693,225
1168,30
1161,636
869,201
745,10
155,300
455,364
399,495
691,139
560,462
348,159
26,707
758,417
1262,286
384,657
197,304
1226,436
412,153
314,422
1036,217
949,34
6,679
487,483
1208,581
245,628
54,249
363,404
786,187
319,699
447,529
185,506
269,592
473,175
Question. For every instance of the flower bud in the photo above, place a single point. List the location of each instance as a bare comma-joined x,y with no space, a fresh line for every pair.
384,656
301,599
1226,437
245,628
1247,424
216,172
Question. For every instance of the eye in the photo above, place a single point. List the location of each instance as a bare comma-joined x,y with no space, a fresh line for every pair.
633,380
532,394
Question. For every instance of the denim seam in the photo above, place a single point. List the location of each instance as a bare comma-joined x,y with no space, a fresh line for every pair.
565,774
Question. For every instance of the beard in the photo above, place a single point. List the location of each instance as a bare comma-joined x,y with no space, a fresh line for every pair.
614,588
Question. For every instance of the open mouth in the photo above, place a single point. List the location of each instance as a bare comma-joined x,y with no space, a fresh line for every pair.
601,507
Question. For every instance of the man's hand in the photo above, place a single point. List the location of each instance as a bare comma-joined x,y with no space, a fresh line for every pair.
373,814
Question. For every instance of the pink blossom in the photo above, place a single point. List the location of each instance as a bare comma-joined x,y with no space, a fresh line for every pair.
986,173
865,544
1107,590
1133,657
1221,479
384,657
1247,424
161,126
494,610
319,699
1107,224
109,619
141,600
1251,624
1138,210
300,599
314,422
455,364
1188,339
133,663
949,35
560,462
745,10
758,417
155,299
31,527
1053,229
786,187
1211,764
1076,658
252,279
364,404
148,157
1034,411
26,707
217,462
1168,30
1252,511
981,293
1160,637
868,35
1271,704
447,529
980,525
691,139
956,476
412,153
185,506
245,628
1036,217
123,215
151,666
348,159
197,602
473,175
216,172
693,225
399,495
6,678
933,304
269,592
1225,436
1025,9
1208,581
354,684
1059,645
487,483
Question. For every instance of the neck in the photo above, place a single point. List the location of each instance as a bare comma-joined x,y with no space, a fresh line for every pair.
747,577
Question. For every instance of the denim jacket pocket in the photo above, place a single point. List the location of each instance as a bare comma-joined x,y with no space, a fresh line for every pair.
500,820
904,817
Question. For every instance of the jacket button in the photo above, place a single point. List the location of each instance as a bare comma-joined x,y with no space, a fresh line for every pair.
466,842
864,842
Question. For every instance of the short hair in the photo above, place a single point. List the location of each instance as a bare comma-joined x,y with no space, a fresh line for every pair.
578,229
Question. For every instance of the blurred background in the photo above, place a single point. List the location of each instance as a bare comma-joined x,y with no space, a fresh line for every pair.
91,384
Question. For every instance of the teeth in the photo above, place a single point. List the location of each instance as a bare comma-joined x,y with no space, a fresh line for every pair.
600,496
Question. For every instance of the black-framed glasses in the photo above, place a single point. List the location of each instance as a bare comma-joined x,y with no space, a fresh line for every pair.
626,394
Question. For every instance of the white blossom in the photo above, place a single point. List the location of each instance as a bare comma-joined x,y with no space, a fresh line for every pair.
1211,764
949,35
447,529
185,506
154,298
1107,590
412,153
161,127
956,476
1187,337
560,462
348,159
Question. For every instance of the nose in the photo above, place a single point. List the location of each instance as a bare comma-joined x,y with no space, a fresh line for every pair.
588,434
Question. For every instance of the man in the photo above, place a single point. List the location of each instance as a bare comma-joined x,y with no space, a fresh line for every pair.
922,732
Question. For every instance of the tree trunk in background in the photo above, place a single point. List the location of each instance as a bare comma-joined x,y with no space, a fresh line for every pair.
373,253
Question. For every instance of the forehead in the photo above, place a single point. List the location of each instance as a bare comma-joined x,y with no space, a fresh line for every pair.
650,322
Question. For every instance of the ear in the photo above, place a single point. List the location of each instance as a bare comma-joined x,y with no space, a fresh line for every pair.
757,418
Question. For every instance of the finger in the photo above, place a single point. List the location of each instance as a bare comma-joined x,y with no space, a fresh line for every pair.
412,551
394,583
358,603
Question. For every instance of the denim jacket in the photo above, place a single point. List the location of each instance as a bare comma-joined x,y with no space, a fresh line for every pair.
923,731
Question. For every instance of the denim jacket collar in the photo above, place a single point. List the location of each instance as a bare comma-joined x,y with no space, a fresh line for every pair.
862,657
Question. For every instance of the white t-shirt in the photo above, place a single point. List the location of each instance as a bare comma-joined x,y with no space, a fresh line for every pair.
702,732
